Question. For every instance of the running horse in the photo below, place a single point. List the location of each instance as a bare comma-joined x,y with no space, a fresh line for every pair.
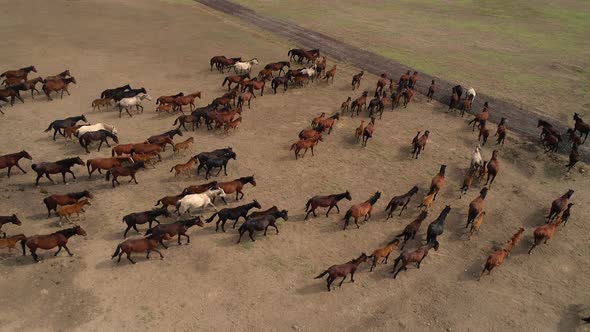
57,86
11,160
278,66
20,73
58,239
61,166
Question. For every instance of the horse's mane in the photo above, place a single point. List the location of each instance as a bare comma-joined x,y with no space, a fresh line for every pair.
67,232
67,160
246,179
374,198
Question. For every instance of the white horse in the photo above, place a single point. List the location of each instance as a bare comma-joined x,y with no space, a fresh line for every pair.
132,101
476,160
470,92
95,127
311,72
198,201
245,65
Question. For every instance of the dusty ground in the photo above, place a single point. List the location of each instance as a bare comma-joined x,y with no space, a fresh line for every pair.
268,285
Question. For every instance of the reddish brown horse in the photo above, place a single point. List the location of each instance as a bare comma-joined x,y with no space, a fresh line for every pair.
124,171
581,126
58,239
280,66
21,73
361,210
236,186
11,160
168,99
234,79
342,271
61,166
186,100
146,244
178,228
55,200
28,85
356,80
255,84
305,144
105,164
412,256
58,86
329,201
12,93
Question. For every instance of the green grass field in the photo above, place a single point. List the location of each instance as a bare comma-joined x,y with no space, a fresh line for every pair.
534,53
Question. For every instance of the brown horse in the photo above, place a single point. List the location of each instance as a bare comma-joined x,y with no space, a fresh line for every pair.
122,149
59,76
184,145
329,201
404,80
21,73
362,209
497,257
437,182
177,228
316,121
11,160
493,168
368,132
124,171
255,84
345,106
419,143
412,256
381,83
356,80
168,99
55,200
413,80
164,107
100,102
277,82
233,124
61,166
407,94
183,168
13,219
12,93
410,231
186,100
245,97
160,141
305,144
481,117
401,200
358,133
280,66
383,253
57,86
146,244
431,91
167,201
454,103
265,74
10,242
581,126
559,205
329,122
105,164
358,104
57,239
66,211
330,74
545,233
342,271
236,186
146,149
236,79
28,85
198,189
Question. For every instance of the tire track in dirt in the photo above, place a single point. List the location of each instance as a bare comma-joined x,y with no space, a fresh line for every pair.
521,121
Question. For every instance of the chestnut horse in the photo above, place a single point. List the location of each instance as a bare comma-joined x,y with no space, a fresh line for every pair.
329,201
234,79
236,186
51,202
305,144
146,244
342,271
186,100
124,171
22,72
412,256
57,86
368,132
58,239
11,160
360,210
12,93
61,166
105,164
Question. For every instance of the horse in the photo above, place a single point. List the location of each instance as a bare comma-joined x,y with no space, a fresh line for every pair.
168,99
57,86
176,228
329,201
581,126
419,143
236,186
61,166
412,228
345,106
278,81
497,257
383,253
59,76
144,148
234,79
66,211
139,218
22,72
198,201
481,117
129,102
166,201
559,205
218,162
436,227
245,97
368,132
183,146
401,200
87,138
98,103
128,94
280,66
226,62
55,200
493,168
58,125
548,128
154,139
358,132
328,123
147,244
105,164
57,239
198,189
28,85
186,100
404,80
431,91
381,83
11,160
413,80
232,214
245,65
118,171
10,242
437,182
110,93
330,74
161,141
305,144
454,102
358,103
95,127
13,219
407,94
356,80
256,84
342,271
12,93
412,256
574,157
309,72
204,156
360,210
261,224
476,206
183,168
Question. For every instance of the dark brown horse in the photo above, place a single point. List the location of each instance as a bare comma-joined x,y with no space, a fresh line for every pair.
58,239
412,256
22,72
146,244
13,219
61,166
105,164
234,79
168,99
124,171
12,93
57,86
236,186
329,201
11,160
28,85
92,136
177,228
342,271
280,66
232,214
59,76
402,200
51,202
581,126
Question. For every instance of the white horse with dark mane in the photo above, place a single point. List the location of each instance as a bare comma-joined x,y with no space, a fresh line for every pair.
95,127
128,103
198,201
245,65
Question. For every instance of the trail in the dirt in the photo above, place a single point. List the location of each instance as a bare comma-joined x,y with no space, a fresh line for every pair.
520,121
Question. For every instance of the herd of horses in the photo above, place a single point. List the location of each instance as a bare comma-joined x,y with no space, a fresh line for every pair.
225,112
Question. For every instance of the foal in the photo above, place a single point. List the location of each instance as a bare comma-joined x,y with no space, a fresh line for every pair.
183,168
329,201
383,253
342,271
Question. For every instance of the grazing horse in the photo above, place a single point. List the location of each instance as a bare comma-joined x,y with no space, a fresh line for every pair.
176,228
419,143
92,136
305,144
412,256
358,104
57,86
198,201
105,164
356,80
342,271
57,239
436,227
368,132
13,219
261,224
236,186
12,93
11,160
383,253
412,228
186,100
139,218
58,125
61,166
581,126
232,214
362,209
118,171
329,201
146,244
110,93
21,73
244,65
55,200
401,200
168,99
129,102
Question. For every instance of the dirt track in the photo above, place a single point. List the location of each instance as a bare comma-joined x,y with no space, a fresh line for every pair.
520,120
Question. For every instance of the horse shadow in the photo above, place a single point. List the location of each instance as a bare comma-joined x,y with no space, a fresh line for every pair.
535,219
571,317
16,259
472,272
38,216
314,288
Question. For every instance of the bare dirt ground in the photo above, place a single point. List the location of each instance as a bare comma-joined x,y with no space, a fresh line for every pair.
267,285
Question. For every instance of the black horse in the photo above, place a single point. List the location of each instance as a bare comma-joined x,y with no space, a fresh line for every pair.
61,166
219,162
58,125
204,156
261,224
436,228
138,218
101,135
128,94
232,214
110,93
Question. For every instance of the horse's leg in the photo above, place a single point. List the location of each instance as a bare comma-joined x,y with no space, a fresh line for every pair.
404,207
356,222
159,253
127,230
241,233
50,179
73,175
100,144
329,209
68,250
341,282
250,234
129,258
57,252
329,282
127,110
275,227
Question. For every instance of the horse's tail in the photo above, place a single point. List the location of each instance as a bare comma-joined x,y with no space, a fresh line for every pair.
321,274
307,205
225,80
348,215
117,251
49,128
172,169
396,262
108,175
175,121
22,244
88,166
210,219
